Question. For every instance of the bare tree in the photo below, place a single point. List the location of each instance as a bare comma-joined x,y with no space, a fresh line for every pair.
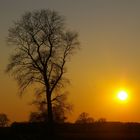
43,46
3,120
84,118
102,120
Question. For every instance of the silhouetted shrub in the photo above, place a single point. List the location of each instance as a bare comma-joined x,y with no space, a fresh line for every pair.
3,120
84,118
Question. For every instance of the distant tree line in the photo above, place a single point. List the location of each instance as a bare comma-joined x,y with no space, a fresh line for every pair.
84,118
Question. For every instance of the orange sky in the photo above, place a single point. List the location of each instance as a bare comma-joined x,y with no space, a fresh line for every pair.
109,59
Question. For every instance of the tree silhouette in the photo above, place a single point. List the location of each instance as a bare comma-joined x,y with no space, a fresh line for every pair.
43,46
60,108
3,120
102,120
84,118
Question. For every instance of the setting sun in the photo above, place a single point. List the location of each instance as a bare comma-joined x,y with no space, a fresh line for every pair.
122,95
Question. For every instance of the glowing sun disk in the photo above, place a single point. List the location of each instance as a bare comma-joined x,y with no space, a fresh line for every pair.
122,95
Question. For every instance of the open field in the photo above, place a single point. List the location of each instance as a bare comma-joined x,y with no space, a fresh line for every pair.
106,131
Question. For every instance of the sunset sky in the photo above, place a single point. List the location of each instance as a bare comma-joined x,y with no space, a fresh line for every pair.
108,61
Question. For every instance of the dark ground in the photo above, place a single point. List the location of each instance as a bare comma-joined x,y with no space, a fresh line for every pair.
96,131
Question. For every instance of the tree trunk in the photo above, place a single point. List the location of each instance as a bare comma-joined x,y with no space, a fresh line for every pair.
50,114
